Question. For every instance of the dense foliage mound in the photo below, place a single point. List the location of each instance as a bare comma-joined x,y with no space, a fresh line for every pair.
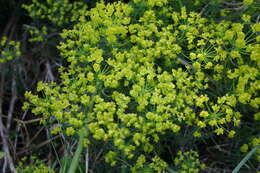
147,85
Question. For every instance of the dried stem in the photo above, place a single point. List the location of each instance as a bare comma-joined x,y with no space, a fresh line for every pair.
258,18
203,9
18,127
97,156
236,9
233,3
8,161
9,25
49,75
25,122
12,102
185,63
87,159
38,146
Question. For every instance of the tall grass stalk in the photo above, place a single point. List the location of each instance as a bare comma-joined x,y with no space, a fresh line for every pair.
78,152
245,159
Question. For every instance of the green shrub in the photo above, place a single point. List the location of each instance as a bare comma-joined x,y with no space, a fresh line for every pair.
142,72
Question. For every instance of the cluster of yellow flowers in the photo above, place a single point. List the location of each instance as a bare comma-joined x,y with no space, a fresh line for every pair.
131,81
54,13
188,162
37,166
59,12
9,50
255,142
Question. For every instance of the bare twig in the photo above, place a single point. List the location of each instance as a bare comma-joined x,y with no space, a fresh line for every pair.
23,75
24,41
12,102
12,31
203,9
51,144
8,161
2,128
25,122
97,156
9,25
237,8
184,62
257,19
18,127
233,3
87,159
34,137
49,75
38,146
218,147
29,27
52,35
22,123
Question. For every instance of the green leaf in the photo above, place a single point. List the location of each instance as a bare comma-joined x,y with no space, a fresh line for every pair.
65,162
2,155
170,170
75,160
245,159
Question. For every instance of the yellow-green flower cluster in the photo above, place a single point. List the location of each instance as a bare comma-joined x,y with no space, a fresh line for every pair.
56,14
38,35
132,81
155,165
9,50
188,162
36,166
255,142
248,2
59,12
158,164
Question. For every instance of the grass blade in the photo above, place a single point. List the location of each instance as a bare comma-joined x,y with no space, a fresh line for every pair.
76,157
245,159
171,170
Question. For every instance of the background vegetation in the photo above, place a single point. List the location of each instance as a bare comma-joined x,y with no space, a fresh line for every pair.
129,86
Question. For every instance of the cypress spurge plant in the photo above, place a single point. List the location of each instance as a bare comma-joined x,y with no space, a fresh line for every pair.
50,16
131,81
9,50
36,166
